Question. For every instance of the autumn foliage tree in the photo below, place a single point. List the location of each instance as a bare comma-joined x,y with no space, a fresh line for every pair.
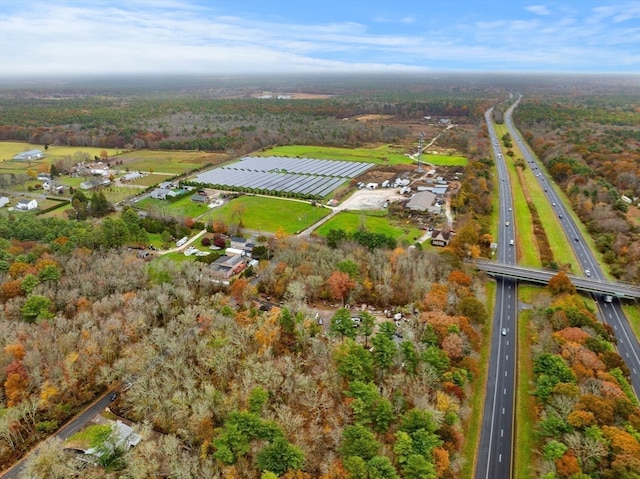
339,285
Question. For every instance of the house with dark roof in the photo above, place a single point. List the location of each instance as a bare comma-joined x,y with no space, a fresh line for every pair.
440,238
226,266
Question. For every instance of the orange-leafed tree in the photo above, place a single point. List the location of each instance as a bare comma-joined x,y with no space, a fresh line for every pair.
561,284
459,278
16,350
16,384
339,285
436,298
567,465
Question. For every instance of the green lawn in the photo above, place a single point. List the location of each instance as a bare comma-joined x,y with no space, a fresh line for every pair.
149,180
351,221
183,207
632,312
384,155
261,213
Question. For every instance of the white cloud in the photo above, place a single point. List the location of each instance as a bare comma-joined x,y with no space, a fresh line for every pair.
538,9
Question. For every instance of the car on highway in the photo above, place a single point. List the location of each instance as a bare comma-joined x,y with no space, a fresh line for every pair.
587,273
504,331
560,216
608,298
113,397
507,223
511,242
576,239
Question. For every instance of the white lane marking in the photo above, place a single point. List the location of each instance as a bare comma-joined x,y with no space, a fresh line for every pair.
501,432
504,391
503,411
500,458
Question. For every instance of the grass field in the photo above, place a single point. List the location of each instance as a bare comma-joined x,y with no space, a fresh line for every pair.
351,221
383,155
174,163
632,312
260,213
10,148
149,180
183,207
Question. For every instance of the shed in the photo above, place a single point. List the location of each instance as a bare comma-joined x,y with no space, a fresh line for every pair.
29,155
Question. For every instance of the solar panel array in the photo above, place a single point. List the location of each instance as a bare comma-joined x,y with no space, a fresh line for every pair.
305,176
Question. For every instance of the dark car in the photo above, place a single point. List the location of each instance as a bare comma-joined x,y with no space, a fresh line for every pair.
113,397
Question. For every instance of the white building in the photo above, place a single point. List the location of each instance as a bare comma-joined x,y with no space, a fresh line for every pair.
27,204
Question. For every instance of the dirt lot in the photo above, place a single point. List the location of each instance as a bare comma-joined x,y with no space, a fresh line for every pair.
370,199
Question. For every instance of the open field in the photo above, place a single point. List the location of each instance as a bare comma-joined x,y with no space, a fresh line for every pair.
526,404
183,207
11,148
265,214
171,162
384,155
377,222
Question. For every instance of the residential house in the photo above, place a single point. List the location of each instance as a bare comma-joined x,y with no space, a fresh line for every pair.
243,244
44,177
162,193
199,198
226,266
440,238
27,204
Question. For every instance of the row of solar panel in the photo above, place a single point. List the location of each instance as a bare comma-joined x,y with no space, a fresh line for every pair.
346,169
287,182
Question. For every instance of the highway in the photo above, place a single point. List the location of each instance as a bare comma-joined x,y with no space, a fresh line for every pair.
495,450
610,313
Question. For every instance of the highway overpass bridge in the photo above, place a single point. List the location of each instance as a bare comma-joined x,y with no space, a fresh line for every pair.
542,276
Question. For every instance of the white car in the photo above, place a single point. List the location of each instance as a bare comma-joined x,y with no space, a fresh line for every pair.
510,242
587,273
504,331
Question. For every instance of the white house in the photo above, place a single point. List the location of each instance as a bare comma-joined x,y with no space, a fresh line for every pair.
3,201
27,204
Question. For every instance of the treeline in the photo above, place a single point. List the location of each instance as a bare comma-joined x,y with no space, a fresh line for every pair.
221,124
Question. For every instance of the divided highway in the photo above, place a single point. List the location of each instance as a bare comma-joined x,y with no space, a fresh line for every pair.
610,313
495,450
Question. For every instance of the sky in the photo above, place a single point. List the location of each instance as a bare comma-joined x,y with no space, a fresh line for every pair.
67,37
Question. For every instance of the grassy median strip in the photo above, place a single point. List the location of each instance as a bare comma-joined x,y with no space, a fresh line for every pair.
525,402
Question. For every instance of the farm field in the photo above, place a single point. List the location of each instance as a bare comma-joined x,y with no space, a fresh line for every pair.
173,163
264,214
383,155
351,221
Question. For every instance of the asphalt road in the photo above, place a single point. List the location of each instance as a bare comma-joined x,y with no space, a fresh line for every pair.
66,431
495,450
